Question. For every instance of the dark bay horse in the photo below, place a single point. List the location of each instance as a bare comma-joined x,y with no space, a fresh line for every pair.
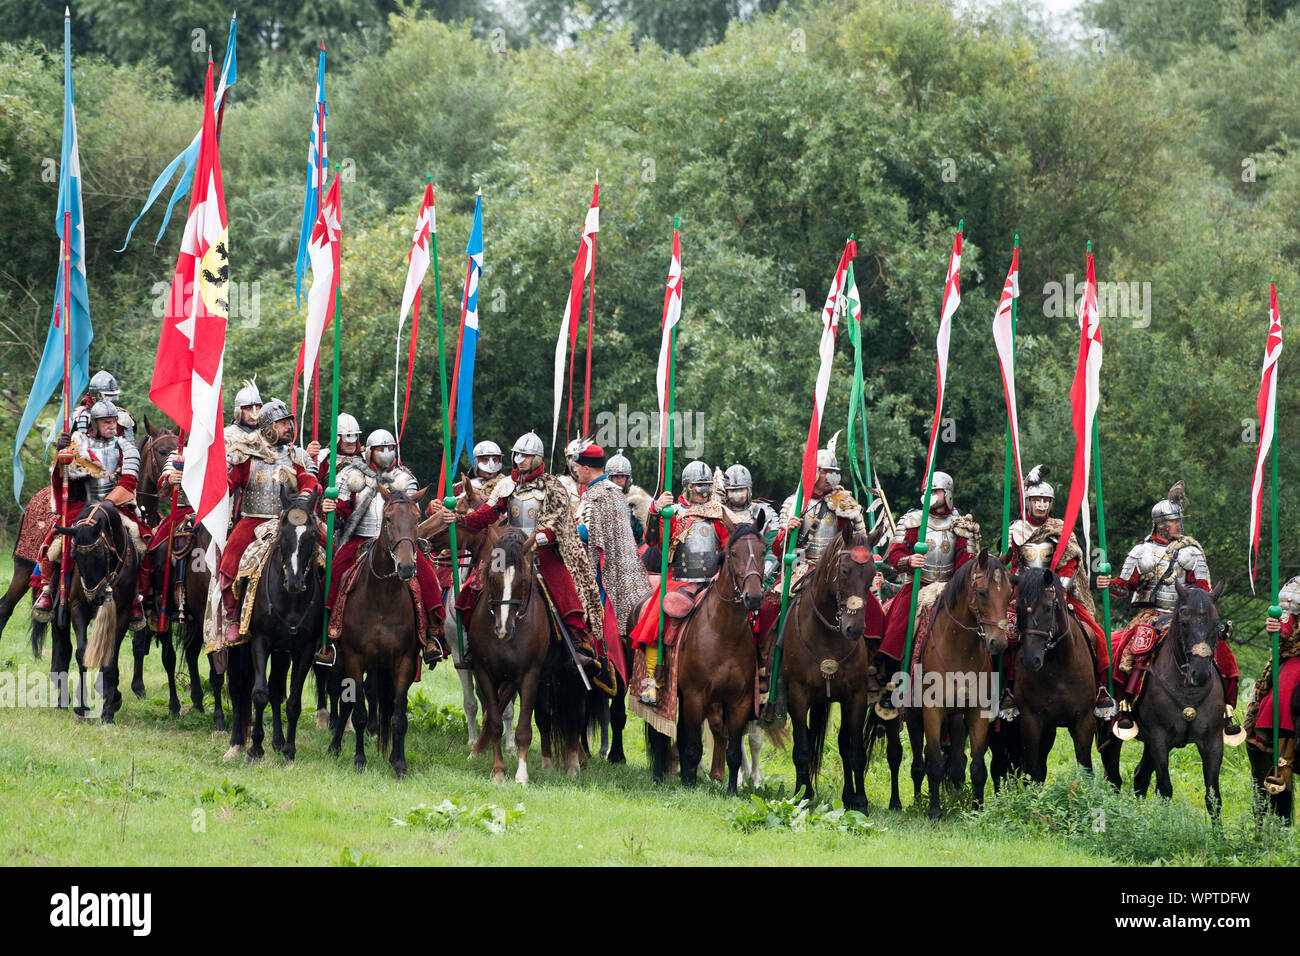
284,629
1055,674
380,632
825,661
957,687
103,586
1181,701
155,444
717,662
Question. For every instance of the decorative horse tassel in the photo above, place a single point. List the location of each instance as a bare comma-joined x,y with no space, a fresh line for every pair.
101,647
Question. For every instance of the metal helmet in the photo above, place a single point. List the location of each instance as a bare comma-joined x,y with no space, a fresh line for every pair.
103,409
574,448
826,459
697,473
619,465
248,395
105,384
272,412
942,482
349,428
487,448
1035,486
1172,507
381,438
737,476
529,444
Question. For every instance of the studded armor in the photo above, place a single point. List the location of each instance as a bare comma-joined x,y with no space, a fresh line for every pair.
941,539
698,554
755,508
819,528
261,496
115,456
1151,560
1037,554
359,482
523,508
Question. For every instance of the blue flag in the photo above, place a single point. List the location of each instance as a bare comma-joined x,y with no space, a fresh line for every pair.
190,155
49,374
317,166
469,336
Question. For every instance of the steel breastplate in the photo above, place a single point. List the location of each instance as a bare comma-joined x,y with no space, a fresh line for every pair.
820,525
1038,554
941,556
698,555
261,496
110,456
523,509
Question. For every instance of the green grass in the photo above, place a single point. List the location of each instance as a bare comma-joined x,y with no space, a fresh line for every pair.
152,790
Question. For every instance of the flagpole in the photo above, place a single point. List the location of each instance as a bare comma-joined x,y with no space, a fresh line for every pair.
591,320
921,547
666,514
332,492
444,475
1010,467
1275,610
171,531
65,562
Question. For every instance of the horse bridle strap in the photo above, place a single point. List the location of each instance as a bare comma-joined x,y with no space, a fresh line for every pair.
110,577
738,587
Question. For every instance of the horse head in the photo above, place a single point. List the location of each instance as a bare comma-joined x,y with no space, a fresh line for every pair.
742,564
1040,614
98,545
400,527
845,572
155,445
298,540
988,590
507,578
1196,622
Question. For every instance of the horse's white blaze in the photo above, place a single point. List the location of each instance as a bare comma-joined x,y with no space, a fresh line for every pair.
298,532
507,580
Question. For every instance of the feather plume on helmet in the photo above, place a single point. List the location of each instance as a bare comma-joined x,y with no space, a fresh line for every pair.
1178,494
1035,484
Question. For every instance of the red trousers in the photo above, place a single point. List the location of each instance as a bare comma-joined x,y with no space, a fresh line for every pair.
425,574
558,581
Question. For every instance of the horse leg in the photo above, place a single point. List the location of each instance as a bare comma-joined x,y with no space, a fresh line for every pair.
979,742
469,700
322,698
1164,785
261,695
110,677
293,707
192,648
1110,757
168,654
508,725
1031,737
488,700
338,726
1211,749
894,755
721,745
853,751
755,734
217,681
1081,732
617,721
17,588
402,679
690,742
372,703
797,707
279,665
523,735
957,731
357,678
933,719
1142,772
139,648
737,714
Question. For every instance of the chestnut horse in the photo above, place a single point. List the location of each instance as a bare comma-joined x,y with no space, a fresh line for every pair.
825,661
717,663
958,678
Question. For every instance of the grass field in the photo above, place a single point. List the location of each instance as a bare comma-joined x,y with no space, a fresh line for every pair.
153,790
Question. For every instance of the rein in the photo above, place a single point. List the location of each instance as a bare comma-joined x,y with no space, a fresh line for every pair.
102,540
737,586
1179,651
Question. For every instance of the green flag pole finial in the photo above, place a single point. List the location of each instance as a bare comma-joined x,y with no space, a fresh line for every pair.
960,223
1016,243
1090,245
677,220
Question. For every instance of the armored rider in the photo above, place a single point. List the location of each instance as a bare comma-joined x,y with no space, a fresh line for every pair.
103,388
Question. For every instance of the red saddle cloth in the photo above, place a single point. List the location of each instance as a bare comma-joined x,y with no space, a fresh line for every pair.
1290,678
348,583
680,602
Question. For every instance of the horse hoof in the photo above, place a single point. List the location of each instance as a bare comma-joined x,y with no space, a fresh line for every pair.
360,764
547,763
107,720
137,688
322,718
498,776
277,746
401,772
174,712
233,753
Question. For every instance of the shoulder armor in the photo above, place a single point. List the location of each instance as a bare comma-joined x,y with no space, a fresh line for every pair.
503,489
910,520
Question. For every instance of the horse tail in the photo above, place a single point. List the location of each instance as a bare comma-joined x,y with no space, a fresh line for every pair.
102,643
563,699
38,631
384,687
778,735
818,716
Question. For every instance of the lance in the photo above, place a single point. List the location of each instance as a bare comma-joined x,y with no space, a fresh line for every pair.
332,492
65,559
171,531
921,547
445,475
666,514
1009,470
1275,609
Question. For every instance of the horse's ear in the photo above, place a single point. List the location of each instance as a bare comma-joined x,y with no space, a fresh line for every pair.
1217,590
1048,577
384,492
846,533
58,529
727,522
762,520
285,498
418,497
1015,579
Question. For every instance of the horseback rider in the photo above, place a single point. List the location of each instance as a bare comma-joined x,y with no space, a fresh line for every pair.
604,523
619,470
248,405
103,388
360,507
949,537
1148,576
171,525
347,450
571,452
259,466
1033,542
99,465
486,473
1259,716
697,536
739,487
538,504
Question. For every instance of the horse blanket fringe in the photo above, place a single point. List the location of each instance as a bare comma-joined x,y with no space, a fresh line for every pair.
664,717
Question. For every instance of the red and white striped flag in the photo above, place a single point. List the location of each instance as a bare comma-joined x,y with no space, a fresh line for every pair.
1266,409
951,299
1004,338
568,339
324,250
186,383
418,264
663,376
1085,394
835,304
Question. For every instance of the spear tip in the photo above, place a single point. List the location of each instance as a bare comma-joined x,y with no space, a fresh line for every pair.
1090,245
67,13
1017,241
960,224
677,219
480,192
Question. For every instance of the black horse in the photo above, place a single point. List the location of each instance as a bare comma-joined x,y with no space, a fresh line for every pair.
284,629
99,598
1182,702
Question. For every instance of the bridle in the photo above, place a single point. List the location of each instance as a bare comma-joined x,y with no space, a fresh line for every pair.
1051,637
972,605
155,457
391,548
1199,649
753,568
520,605
101,540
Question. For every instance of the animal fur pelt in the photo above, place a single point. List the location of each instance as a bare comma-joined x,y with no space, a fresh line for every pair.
252,445
609,531
1079,587
638,499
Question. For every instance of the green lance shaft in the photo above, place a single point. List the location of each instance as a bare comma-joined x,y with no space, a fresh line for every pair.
787,572
665,516
1103,566
450,501
332,492
1009,471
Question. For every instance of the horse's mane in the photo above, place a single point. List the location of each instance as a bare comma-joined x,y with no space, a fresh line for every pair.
957,583
512,542
1030,584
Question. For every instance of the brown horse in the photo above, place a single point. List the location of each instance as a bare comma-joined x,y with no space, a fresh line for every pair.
954,688
825,661
1055,682
716,660
380,632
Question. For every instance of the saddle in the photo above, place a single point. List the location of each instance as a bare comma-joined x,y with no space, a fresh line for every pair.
349,583
679,605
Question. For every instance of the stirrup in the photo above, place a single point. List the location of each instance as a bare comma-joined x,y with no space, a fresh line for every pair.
1125,728
328,655
649,694
1105,710
42,615
1278,779
433,652
1234,735
885,708
1007,708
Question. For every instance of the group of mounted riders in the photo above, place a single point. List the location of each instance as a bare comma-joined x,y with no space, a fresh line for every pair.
592,535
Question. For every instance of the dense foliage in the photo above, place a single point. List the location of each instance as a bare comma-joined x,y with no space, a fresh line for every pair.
887,119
